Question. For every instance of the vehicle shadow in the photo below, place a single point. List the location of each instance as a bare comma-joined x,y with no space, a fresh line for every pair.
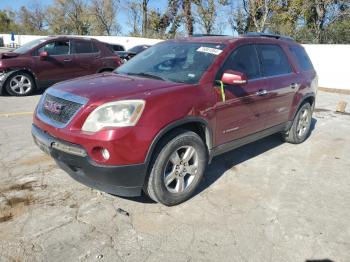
229,160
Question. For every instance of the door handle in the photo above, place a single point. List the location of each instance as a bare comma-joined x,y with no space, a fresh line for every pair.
67,60
294,85
261,92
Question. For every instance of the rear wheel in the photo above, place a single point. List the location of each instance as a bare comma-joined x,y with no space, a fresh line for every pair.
301,126
20,84
178,169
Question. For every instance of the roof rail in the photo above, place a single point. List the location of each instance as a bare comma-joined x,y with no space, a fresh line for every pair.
201,35
257,34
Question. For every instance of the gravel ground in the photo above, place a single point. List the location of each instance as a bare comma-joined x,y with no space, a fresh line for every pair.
268,201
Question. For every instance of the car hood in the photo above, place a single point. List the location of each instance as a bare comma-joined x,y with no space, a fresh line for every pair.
7,55
110,86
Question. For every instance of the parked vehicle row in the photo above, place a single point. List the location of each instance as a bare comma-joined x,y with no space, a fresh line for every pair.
130,53
154,123
46,61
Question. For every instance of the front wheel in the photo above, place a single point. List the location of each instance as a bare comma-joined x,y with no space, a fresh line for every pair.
20,84
178,169
301,126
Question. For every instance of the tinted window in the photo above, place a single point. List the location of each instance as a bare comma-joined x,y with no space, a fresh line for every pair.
137,49
55,48
302,58
244,59
273,59
84,47
94,48
117,48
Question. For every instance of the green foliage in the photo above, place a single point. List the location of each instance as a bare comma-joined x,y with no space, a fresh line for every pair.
7,23
313,21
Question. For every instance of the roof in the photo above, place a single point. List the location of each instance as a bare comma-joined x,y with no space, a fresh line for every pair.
223,39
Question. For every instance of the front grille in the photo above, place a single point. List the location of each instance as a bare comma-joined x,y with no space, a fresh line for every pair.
67,109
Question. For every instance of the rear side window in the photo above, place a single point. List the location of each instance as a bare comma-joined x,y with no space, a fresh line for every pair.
273,60
243,59
117,48
85,47
302,58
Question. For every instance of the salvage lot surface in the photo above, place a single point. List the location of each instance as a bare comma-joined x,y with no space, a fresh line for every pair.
268,201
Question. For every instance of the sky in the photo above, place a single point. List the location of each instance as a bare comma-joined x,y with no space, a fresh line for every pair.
122,16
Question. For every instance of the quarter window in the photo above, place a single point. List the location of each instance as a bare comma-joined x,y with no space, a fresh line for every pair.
273,60
302,58
244,59
55,48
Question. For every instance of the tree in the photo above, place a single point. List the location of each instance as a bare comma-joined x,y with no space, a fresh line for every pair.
69,17
7,23
207,14
259,12
33,20
144,16
104,13
319,14
134,14
285,17
239,20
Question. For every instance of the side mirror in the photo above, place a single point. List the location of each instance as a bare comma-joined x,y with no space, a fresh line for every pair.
43,55
231,77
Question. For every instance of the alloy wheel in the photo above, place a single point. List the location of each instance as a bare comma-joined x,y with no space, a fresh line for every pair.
181,169
304,122
20,84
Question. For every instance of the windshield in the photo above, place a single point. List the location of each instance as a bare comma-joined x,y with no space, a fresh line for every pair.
181,62
26,47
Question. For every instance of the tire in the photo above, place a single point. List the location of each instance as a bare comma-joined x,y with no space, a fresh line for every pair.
20,84
177,168
300,129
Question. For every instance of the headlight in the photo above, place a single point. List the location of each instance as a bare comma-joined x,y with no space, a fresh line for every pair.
114,114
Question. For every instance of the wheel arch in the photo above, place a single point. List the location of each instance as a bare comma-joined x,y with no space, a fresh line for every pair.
196,124
310,98
14,71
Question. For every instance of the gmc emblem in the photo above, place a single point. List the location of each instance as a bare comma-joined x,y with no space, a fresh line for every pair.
53,107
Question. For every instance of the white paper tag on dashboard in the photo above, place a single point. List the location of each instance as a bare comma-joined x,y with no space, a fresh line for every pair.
209,50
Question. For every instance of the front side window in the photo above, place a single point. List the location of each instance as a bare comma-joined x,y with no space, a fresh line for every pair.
182,62
243,59
273,60
55,48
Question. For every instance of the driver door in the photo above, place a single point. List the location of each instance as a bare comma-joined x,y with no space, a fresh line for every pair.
241,114
58,65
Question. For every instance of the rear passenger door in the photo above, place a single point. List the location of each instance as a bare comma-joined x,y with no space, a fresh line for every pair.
282,84
87,57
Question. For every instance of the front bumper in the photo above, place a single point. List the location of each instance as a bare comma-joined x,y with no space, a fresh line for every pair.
126,180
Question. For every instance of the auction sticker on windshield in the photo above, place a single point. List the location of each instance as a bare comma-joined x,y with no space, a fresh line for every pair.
209,50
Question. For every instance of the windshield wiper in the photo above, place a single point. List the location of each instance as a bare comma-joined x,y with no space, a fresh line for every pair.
147,75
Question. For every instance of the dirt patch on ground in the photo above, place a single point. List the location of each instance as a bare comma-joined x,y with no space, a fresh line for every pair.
16,199
15,206
37,160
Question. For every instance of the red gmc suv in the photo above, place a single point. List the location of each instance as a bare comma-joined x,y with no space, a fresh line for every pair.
156,122
45,61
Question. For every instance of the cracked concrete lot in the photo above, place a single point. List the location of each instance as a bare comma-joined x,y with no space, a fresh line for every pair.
268,201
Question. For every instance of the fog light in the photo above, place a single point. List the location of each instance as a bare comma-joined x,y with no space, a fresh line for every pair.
105,153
